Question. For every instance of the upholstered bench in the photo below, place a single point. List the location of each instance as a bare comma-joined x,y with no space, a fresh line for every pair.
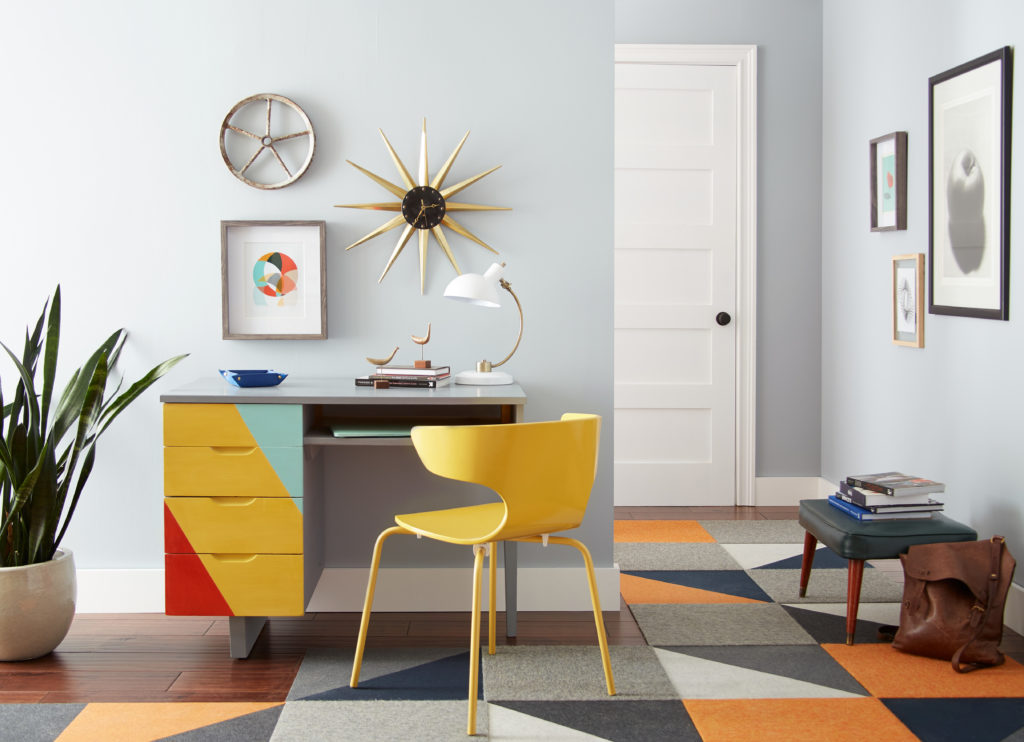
858,541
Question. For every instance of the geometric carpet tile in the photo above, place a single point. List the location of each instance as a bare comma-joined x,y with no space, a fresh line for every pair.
660,531
387,674
977,719
755,556
803,671
826,586
144,722
736,583
755,531
711,625
797,720
888,673
574,673
628,721
673,556
827,626
635,588
381,721
36,722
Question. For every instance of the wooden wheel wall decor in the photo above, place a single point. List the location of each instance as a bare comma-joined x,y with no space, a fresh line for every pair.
261,138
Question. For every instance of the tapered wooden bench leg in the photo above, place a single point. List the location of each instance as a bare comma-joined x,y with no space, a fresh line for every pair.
855,575
810,543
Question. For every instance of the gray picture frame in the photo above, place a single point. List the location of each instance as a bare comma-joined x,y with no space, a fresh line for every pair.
888,199
304,316
969,125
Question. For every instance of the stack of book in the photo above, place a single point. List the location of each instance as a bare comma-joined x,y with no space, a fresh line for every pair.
408,376
889,495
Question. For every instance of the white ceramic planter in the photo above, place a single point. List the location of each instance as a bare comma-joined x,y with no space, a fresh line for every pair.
37,604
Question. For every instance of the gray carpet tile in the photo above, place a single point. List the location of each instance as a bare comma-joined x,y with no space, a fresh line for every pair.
255,727
809,663
323,670
553,673
826,586
673,556
716,624
380,721
629,721
36,722
755,531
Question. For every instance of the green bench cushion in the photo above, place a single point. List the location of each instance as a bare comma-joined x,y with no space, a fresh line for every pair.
887,539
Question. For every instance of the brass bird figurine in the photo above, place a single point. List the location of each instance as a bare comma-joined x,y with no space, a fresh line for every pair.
424,339
383,361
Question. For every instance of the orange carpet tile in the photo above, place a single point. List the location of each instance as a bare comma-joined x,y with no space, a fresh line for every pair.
637,590
144,722
661,531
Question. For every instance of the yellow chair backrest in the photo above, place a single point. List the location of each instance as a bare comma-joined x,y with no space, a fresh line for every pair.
543,472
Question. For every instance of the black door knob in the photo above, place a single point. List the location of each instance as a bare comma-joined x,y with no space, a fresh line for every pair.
723,318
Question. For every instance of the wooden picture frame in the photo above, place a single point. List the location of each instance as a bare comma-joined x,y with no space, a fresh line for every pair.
908,300
889,182
273,280
969,118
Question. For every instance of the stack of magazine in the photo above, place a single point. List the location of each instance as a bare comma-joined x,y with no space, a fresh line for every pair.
409,376
889,495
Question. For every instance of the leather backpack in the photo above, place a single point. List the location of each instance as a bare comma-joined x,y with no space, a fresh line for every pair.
954,595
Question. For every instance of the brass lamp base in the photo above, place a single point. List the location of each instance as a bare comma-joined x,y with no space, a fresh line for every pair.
483,378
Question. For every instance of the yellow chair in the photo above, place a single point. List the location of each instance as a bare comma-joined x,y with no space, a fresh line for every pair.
543,473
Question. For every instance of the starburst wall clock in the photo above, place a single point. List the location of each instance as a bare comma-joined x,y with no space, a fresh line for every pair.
424,206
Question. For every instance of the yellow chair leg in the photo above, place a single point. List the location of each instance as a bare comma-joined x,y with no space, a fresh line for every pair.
364,624
474,638
492,576
602,637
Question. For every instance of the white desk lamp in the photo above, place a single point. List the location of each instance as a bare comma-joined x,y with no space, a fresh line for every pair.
482,291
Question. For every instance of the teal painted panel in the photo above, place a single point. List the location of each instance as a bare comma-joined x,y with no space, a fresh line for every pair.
273,424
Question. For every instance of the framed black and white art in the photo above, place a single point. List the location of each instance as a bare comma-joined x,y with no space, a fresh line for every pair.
969,188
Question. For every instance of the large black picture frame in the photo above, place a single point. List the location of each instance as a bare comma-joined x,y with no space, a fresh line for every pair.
969,117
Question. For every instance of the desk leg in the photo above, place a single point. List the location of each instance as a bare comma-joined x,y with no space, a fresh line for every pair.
511,593
244,630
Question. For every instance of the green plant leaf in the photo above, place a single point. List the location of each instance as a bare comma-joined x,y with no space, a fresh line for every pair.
83,477
50,355
135,390
70,405
29,389
42,509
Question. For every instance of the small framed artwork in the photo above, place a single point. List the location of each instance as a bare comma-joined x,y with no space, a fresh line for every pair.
969,188
908,300
273,280
889,182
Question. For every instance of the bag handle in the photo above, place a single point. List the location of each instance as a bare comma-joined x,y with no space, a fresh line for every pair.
979,611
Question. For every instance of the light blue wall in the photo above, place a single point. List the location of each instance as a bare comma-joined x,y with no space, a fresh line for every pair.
788,38
953,410
115,187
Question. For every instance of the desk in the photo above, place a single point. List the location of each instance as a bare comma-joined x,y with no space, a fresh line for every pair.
244,495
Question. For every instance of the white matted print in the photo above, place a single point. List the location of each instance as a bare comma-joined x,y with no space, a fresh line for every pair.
968,198
273,280
908,300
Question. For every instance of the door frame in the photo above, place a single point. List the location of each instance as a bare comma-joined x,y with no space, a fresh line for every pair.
744,58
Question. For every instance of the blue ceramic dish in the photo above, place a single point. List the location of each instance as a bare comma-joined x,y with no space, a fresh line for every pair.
253,377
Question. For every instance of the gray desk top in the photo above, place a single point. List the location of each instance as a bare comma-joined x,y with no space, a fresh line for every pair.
340,390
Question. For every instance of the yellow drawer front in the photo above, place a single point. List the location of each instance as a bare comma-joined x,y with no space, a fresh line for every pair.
238,525
250,584
232,425
232,472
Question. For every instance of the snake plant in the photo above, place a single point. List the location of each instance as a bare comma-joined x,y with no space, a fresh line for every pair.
48,445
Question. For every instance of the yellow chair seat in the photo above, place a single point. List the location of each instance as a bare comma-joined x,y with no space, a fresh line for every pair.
456,525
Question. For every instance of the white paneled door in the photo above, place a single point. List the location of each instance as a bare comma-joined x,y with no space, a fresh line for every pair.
677,138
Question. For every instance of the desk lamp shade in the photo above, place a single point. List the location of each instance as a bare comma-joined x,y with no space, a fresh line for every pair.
482,290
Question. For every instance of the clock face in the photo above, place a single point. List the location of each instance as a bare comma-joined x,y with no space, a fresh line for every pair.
423,207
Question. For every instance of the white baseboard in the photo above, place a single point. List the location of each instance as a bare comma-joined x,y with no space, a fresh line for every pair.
540,589
789,491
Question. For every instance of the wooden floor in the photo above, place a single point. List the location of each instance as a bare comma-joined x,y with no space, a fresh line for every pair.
152,657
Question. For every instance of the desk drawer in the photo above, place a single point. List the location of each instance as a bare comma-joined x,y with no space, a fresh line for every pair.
232,525
232,472
234,585
232,425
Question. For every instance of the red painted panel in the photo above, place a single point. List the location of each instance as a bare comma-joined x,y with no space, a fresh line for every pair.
189,590
175,540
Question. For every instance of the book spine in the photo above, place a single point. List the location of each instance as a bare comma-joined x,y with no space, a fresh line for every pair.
852,510
415,383
854,482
